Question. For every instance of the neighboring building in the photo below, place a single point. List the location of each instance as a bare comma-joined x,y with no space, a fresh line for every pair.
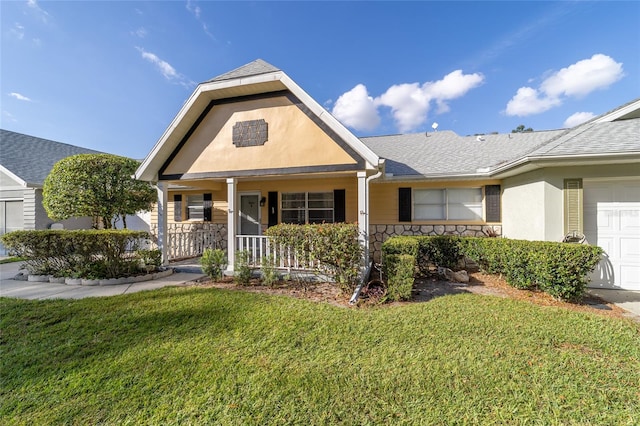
250,149
25,162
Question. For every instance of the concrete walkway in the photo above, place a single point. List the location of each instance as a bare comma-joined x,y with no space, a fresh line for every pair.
37,291
629,300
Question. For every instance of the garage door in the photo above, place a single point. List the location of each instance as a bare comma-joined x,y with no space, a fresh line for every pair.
612,221
11,219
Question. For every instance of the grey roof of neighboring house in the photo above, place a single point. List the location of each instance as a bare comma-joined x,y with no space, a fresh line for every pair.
31,158
445,153
252,68
594,138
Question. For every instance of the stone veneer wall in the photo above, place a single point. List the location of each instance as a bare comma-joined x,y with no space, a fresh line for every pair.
380,233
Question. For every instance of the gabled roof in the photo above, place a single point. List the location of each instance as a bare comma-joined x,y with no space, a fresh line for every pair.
257,77
252,68
29,159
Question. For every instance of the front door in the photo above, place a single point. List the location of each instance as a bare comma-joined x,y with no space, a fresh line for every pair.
249,223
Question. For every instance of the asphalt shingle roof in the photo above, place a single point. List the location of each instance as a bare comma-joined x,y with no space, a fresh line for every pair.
445,153
31,158
595,138
252,68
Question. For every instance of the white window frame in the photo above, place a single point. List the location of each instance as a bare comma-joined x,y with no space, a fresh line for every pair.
199,207
304,210
447,204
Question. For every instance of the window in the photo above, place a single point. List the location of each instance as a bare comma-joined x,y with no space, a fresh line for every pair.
307,207
448,204
195,207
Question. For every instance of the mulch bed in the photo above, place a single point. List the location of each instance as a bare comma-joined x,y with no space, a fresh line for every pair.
425,289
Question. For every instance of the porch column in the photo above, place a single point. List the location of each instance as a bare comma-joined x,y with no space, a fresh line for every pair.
162,222
231,223
363,216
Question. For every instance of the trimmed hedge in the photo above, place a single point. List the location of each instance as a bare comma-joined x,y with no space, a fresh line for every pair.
81,254
559,269
400,272
334,245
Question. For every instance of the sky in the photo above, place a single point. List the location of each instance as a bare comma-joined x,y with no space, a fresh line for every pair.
111,75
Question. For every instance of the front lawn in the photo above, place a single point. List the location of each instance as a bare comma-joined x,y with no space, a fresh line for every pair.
211,356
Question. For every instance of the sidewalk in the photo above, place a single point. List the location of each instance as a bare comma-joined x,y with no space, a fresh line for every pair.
38,291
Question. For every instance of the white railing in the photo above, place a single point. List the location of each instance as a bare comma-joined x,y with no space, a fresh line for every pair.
181,244
260,247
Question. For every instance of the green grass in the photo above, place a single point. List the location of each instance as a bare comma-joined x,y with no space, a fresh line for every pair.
208,356
11,260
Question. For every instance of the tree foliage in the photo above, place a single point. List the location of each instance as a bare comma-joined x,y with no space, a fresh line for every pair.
522,129
96,185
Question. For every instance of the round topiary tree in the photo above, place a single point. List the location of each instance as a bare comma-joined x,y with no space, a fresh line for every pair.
96,185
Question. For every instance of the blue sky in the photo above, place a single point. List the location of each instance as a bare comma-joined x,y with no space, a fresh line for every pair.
112,75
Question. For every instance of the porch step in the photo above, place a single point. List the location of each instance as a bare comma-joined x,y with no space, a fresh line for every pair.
189,269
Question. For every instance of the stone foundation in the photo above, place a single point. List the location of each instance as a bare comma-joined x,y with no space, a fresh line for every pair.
380,233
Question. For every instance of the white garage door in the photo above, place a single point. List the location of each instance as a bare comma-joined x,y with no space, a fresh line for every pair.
612,221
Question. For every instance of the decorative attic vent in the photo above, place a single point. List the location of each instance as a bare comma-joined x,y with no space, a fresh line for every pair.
250,133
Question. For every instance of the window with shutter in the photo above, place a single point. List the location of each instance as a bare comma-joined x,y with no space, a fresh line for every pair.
404,204
572,205
177,208
492,203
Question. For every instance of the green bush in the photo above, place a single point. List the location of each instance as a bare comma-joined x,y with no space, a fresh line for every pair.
559,269
269,271
331,248
150,257
78,253
242,271
400,271
213,262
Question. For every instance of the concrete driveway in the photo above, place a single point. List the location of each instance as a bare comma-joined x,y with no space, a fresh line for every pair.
37,291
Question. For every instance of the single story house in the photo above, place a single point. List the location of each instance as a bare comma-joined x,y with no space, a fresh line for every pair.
25,162
250,149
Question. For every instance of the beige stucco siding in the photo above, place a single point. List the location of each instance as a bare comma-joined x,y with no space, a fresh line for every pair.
533,203
383,198
294,140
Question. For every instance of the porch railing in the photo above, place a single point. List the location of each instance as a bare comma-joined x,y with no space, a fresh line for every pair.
260,247
181,244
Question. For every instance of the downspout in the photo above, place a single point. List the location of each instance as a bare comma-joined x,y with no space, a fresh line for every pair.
367,267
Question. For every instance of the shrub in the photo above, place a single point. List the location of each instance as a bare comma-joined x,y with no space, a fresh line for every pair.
331,248
150,257
213,262
440,250
269,271
242,271
400,270
79,253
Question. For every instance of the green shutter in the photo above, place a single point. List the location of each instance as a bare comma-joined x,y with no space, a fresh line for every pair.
573,205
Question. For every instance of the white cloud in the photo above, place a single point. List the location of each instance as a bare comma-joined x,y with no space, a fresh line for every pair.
19,97
356,109
43,14
576,80
193,9
583,77
18,30
141,32
9,116
529,101
164,67
578,118
410,103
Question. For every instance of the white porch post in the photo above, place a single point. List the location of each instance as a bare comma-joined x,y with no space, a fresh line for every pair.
363,216
162,222
231,223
